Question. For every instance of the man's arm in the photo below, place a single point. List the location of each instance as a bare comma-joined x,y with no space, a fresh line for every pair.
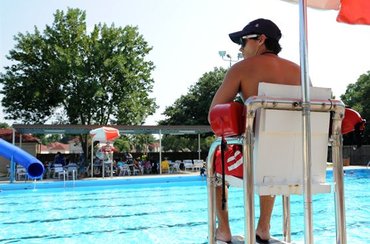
228,89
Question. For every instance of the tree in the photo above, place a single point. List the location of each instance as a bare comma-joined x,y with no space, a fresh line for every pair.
98,78
122,144
46,139
4,125
184,143
66,75
140,143
192,108
357,96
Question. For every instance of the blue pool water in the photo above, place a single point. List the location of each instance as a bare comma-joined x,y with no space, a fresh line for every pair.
170,211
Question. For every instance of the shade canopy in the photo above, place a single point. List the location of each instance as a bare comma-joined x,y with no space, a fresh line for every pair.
104,134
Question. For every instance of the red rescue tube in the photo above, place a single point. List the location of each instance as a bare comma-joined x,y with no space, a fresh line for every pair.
228,119
352,119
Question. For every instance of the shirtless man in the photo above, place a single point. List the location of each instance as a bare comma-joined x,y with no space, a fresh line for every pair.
260,46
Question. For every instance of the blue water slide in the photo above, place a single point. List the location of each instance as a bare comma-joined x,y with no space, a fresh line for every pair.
34,167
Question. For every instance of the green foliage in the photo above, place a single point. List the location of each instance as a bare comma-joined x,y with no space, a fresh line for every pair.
192,108
177,143
357,96
141,142
88,78
138,143
122,144
47,139
4,125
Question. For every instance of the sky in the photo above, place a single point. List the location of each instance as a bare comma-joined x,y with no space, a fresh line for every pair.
187,35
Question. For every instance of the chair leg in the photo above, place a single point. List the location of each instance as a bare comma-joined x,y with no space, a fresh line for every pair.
286,218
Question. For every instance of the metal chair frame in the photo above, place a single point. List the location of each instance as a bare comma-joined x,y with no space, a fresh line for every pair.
253,104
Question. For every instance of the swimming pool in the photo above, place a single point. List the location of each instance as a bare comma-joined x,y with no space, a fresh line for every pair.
170,211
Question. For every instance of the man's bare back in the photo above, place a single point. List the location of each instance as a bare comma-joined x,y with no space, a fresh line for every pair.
245,76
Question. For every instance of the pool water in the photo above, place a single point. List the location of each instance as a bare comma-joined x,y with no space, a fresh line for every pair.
162,213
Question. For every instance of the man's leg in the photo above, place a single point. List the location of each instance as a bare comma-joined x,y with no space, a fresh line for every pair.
223,232
266,206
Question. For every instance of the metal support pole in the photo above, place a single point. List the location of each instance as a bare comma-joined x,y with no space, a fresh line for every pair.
248,179
12,170
340,219
286,218
12,163
306,123
103,166
211,191
111,164
160,151
199,147
92,158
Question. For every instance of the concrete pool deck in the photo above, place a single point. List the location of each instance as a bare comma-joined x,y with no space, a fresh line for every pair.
5,179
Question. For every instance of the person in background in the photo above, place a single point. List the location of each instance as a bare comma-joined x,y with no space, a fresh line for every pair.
259,44
147,167
203,170
59,159
154,166
137,166
47,167
165,166
120,164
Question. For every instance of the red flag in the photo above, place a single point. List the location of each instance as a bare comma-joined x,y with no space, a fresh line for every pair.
354,12
350,11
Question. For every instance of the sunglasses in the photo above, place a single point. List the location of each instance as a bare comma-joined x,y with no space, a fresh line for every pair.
243,40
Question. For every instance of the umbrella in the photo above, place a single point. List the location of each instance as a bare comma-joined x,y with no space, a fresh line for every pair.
104,134
350,11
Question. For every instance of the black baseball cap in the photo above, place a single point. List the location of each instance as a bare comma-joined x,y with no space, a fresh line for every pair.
258,26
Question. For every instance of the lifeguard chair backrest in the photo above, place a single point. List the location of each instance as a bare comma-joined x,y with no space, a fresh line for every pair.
278,144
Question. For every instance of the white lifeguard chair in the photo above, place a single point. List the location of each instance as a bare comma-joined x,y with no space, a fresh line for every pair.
273,154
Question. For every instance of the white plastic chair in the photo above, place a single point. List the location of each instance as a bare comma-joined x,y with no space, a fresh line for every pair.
125,170
59,171
273,161
71,171
21,172
175,167
188,164
136,171
198,164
